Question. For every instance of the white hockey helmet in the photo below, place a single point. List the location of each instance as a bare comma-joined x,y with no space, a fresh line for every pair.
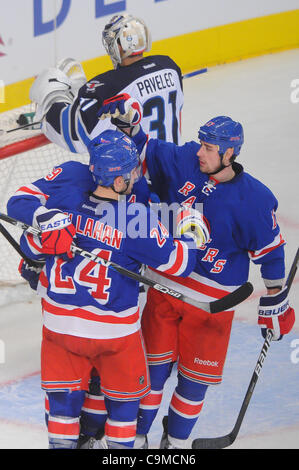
129,32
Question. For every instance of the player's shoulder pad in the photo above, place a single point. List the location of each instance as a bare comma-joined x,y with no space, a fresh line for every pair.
165,61
99,85
256,193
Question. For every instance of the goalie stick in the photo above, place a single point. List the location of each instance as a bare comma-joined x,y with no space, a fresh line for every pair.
227,302
228,439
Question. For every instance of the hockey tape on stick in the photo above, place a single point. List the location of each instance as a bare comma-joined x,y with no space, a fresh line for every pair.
228,439
227,302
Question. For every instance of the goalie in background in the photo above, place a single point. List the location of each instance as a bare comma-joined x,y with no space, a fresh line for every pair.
68,103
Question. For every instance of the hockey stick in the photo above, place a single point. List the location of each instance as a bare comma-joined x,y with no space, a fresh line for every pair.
2,131
228,439
17,247
227,302
194,73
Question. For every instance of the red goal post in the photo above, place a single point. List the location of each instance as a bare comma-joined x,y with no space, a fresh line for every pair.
25,156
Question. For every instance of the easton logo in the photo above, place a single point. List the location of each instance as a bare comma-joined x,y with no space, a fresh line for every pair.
54,225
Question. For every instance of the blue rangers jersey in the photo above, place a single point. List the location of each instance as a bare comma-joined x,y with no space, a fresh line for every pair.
66,183
155,81
83,298
241,214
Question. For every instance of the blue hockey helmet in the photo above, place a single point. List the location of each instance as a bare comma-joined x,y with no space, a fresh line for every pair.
109,158
106,137
224,132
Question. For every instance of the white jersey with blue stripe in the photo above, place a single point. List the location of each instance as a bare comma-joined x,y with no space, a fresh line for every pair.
155,81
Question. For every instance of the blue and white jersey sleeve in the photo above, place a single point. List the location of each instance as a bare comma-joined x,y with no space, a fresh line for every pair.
56,190
74,126
155,81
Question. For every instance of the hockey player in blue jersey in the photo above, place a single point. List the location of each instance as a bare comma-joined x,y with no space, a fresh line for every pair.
89,310
68,106
241,212
64,184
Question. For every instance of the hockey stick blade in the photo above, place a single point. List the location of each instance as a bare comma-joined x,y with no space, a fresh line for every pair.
232,299
228,439
227,302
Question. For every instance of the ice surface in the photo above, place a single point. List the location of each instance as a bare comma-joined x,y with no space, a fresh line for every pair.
256,92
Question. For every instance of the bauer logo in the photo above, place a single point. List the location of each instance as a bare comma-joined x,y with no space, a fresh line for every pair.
2,352
2,92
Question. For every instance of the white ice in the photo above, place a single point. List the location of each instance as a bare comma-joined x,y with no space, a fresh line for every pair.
257,93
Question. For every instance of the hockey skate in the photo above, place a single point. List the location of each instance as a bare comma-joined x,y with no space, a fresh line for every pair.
165,443
90,442
141,441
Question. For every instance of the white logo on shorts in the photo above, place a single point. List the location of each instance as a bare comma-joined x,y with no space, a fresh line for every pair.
206,363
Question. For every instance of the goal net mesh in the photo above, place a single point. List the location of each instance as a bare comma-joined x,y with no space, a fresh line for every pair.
25,156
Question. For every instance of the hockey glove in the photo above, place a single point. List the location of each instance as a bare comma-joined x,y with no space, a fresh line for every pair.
50,86
274,313
30,273
57,233
125,112
74,71
192,223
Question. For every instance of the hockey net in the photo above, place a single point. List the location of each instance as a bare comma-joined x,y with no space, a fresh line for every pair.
25,156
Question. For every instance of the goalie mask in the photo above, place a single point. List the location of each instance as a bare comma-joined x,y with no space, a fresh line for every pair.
130,33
